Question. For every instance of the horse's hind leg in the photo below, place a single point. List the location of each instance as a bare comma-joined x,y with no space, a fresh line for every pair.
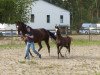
69,48
60,51
48,46
30,54
40,46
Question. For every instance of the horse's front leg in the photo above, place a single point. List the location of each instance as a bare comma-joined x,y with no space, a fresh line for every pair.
40,46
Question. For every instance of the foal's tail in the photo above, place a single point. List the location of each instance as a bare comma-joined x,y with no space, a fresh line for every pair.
70,39
52,35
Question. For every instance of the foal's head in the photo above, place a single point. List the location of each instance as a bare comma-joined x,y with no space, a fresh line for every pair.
57,33
21,27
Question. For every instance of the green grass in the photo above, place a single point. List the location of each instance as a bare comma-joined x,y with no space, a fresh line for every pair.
81,42
78,42
98,74
29,62
11,46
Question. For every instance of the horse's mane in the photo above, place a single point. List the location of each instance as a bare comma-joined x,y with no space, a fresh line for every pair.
25,26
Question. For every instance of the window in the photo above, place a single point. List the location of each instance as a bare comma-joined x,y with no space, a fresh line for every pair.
32,17
48,18
61,18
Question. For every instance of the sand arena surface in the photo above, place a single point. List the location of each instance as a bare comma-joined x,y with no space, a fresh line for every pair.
83,60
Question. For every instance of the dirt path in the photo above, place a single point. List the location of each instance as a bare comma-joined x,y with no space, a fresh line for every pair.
82,61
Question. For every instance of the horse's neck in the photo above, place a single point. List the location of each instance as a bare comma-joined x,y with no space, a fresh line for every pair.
23,32
59,36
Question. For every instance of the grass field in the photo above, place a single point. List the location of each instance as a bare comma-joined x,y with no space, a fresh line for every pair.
83,60
75,42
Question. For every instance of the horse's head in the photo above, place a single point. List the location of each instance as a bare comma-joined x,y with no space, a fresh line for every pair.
21,28
57,31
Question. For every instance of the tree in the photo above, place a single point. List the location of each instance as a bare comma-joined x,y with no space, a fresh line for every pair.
14,10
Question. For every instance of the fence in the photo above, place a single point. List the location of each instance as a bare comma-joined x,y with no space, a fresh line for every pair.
8,33
63,31
83,33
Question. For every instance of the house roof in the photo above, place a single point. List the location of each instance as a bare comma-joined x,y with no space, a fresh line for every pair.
54,5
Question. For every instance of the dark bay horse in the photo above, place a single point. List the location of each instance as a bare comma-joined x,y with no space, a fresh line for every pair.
39,34
62,41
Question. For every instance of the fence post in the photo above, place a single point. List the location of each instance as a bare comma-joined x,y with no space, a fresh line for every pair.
11,36
89,34
90,38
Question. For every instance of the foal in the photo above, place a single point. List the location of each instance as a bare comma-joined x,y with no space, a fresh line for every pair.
62,41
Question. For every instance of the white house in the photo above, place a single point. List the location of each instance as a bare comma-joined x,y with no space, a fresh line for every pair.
46,15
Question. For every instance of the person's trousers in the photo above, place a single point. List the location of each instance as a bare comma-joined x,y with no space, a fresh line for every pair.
28,46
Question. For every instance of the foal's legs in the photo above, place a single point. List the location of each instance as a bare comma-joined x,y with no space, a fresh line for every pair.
60,51
40,46
48,46
68,47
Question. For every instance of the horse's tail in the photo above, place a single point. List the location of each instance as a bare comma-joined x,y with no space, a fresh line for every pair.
71,38
52,35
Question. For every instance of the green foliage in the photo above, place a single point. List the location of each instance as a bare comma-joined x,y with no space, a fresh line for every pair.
14,10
